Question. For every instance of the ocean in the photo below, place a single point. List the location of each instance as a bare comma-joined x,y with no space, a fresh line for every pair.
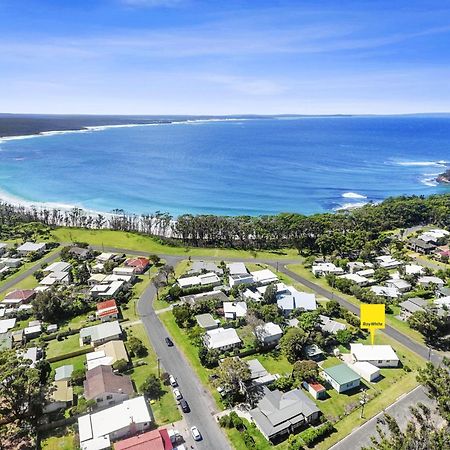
230,167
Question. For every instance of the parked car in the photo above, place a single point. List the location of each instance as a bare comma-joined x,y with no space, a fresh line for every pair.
169,342
172,380
177,394
196,434
184,405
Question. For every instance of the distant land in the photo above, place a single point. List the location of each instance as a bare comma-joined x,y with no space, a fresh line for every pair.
28,124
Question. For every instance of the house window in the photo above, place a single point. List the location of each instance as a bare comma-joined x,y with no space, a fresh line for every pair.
99,400
379,362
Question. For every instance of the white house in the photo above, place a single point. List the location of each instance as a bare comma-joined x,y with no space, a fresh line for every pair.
384,291
104,257
413,269
330,326
402,286
237,268
292,299
269,333
443,301
355,278
59,266
128,271
209,278
234,310
222,339
429,280
377,355
99,334
387,262
56,278
341,377
31,247
100,428
326,268
237,279
264,276
366,370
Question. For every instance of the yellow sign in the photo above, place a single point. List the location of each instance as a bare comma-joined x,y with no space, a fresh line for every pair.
373,317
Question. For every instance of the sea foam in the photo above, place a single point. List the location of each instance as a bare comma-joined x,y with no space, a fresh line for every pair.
353,195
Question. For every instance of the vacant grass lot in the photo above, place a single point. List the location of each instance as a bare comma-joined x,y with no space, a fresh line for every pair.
68,345
132,241
78,363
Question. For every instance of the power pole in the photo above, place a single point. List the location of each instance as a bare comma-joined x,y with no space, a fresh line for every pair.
159,367
363,401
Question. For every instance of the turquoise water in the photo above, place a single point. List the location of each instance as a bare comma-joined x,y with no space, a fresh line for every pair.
260,166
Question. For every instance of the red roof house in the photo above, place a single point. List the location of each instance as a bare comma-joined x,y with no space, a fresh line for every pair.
152,440
19,296
140,264
107,310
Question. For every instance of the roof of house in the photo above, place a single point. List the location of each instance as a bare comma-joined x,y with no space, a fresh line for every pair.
421,243
363,352
59,266
256,368
237,268
31,247
331,326
399,284
116,350
316,386
221,337
365,367
431,279
239,309
312,350
292,299
355,277
102,380
63,392
209,266
342,374
140,263
268,329
7,324
5,341
206,320
152,440
107,308
277,411
118,417
443,301
264,276
411,269
208,278
101,331
20,294
63,372
205,296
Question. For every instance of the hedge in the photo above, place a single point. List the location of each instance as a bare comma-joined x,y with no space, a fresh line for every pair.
82,351
313,435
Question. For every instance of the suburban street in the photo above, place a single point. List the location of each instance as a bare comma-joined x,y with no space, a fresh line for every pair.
12,282
399,410
173,361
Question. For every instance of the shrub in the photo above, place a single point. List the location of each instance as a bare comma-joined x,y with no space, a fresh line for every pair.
313,435
121,365
248,440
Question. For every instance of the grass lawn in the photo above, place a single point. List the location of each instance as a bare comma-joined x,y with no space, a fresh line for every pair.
67,345
165,408
132,241
273,362
77,362
64,440
190,351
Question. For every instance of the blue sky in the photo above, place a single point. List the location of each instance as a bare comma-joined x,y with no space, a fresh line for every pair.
224,57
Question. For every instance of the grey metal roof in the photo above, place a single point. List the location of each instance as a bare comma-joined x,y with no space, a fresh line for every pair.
206,320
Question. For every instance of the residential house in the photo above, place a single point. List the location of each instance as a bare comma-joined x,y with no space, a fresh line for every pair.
264,276
355,278
151,440
140,265
129,272
234,310
269,333
115,350
206,321
402,286
341,377
32,331
80,253
313,352
355,266
211,295
387,262
60,398
104,257
443,302
10,263
31,247
329,325
377,355
315,389
19,297
428,281
108,290
292,299
237,268
205,279
99,334
384,291
205,266
54,278
96,278
6,325
420,246
326,268
279,414
106,387
107,311
436,236
59,266
413,269
410,306
5,341
97,430
222,339
63,373
3,248
32,354
366,273
237,279
366,370
259,376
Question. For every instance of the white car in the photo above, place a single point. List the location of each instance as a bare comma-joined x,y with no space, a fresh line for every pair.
173,381
196,434
177,394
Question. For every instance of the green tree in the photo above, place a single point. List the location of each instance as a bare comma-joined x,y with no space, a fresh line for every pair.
232,375
121,365
381,274
136,347
270,294
77,377
344,337
305,371
292,344
308,321
152,386
82,274
48,306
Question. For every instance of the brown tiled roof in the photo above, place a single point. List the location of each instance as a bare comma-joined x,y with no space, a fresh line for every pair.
20,294
102,380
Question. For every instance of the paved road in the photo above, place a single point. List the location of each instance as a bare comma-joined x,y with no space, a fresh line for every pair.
412,345
399,410
48,259
201,403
